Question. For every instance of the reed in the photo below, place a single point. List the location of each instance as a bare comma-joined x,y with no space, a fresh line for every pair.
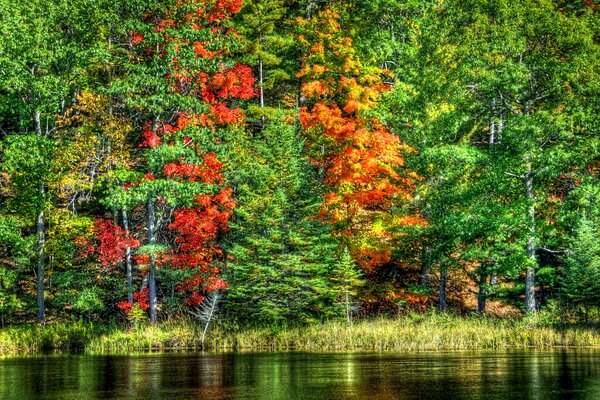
414,332
72,336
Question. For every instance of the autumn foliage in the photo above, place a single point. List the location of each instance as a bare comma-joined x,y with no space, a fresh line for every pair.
113,242
362,161
195,45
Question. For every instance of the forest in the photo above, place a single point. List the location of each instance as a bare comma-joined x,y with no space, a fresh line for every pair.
291,162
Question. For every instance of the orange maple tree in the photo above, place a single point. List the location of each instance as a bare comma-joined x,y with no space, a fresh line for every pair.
361,161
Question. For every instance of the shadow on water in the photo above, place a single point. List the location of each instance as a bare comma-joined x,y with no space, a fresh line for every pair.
518,374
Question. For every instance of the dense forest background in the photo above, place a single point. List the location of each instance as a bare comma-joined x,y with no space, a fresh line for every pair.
291,161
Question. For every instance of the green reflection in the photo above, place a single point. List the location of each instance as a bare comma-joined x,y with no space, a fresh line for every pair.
523,374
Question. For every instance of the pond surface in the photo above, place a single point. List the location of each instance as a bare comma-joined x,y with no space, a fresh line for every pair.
522,374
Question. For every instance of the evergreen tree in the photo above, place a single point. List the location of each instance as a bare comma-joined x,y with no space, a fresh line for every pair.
580,280
284,257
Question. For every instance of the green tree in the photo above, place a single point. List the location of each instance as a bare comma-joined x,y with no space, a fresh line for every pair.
580,280
284,257
14,252
268,47
517,82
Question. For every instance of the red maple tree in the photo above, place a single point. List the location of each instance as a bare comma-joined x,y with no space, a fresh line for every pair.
194,42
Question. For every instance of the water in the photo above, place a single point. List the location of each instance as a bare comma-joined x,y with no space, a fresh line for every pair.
523,374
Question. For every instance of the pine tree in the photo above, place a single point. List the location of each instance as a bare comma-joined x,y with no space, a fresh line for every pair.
283,255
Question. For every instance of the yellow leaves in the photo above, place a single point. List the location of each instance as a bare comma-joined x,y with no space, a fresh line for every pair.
63,227
434,112
92,142
318,69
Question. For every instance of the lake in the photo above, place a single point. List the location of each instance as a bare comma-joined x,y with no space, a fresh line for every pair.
516,374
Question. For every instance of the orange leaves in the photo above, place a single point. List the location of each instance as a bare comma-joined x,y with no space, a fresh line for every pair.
317,89
236,82
201,51
361,158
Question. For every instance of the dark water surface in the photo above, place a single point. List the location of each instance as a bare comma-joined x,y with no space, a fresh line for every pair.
522,374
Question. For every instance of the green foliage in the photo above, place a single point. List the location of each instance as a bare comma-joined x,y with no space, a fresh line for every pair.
284,257
346,279
89,301
28,161
580,280
489,93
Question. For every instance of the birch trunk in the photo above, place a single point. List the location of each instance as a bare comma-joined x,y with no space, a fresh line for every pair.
41,237
128,258
152,272
530,305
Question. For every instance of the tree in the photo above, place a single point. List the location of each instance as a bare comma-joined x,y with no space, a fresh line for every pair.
509,81
347,277
360,161
28,161
284,257
186,83
47,48
13,249
580,279
268,44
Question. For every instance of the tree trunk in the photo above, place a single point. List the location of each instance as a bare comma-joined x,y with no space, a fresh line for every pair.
212,308
530,305
424,273
348,314
261,89
481,297
41,315
128,258
493,126
41,238
152,272
443,280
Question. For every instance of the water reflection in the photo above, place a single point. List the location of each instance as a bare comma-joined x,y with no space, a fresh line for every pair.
526,374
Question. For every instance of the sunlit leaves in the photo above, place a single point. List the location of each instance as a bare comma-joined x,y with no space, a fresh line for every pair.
362,161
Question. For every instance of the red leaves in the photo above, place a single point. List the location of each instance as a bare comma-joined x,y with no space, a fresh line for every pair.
207,172
142,298
135,38
222,9
198,228
236,82
150,139
113,242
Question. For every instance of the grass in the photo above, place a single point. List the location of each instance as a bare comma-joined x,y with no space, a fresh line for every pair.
415,332
32,339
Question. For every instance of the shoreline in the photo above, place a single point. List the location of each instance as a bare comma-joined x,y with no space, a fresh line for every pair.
412,333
